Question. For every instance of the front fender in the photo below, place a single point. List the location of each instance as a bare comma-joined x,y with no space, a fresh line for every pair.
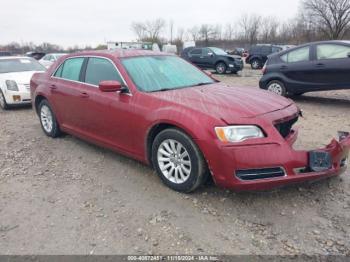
190,122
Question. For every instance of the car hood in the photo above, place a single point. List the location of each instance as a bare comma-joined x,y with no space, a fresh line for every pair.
226,102
19,77
235,56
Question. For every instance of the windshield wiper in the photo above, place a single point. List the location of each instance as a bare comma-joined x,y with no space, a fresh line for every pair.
167,89
202,84
162,90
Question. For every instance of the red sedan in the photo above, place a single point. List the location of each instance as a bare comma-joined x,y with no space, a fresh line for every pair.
163,111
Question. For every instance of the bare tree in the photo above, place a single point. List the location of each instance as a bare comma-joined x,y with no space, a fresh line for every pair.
139,29
229,32
332,17
194,33
250,25
149,30
181,34
269,28
207,32
171,29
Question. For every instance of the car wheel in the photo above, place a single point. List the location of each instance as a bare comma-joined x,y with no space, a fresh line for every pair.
178,161
3,103
255,64
277,87
48,120
221,68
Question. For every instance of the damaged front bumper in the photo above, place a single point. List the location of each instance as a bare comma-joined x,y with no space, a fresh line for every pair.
270,165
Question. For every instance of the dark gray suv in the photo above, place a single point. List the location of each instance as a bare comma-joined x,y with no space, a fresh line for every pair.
213,58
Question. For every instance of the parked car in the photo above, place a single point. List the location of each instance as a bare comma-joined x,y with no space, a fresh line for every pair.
311,67
15,75
214,58
237,51
49,59
165,112
258,54
36,55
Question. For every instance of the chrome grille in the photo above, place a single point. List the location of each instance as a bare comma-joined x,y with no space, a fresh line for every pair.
262,173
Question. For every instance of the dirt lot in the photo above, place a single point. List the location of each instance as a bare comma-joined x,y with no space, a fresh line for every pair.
66,196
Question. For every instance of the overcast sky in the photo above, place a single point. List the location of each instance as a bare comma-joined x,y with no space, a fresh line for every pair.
91,22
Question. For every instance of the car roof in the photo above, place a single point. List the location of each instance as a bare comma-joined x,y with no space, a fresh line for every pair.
120,53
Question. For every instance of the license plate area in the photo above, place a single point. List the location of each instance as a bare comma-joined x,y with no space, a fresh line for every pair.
320,161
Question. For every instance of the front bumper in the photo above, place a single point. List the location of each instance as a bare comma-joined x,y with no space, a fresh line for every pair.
277,152
236,65
22,96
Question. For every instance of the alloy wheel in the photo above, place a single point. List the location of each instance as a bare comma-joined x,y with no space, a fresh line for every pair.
275,88
174,161
255,64
221,68
46,118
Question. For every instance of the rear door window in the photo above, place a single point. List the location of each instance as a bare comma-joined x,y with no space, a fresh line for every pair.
332,51
71,68
298,55
276,49
196,52
266,50
100,69
207,51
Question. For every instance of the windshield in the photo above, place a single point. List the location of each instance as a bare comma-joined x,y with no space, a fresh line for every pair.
59,55
218,51
155,73
12,65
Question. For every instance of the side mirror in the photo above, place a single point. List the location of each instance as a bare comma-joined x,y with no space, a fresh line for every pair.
110,86
210,54
349,54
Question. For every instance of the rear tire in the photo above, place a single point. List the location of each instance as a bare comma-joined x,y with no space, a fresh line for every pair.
3,103
178,161
256,64
277,87
48,120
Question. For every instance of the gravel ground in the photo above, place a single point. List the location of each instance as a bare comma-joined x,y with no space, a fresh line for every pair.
66,196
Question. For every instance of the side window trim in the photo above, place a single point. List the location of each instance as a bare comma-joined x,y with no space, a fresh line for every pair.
84,66
287,55
83,70
336,44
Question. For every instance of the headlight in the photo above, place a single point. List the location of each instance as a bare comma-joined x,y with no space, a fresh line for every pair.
238,133
11,85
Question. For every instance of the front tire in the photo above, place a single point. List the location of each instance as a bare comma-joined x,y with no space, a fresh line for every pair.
277,87
3,103
48,120
221,68
178,161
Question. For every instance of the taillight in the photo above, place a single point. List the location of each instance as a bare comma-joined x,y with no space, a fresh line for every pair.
264,69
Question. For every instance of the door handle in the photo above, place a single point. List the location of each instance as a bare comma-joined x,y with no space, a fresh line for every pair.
284,67
320,65
53,86
84,95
